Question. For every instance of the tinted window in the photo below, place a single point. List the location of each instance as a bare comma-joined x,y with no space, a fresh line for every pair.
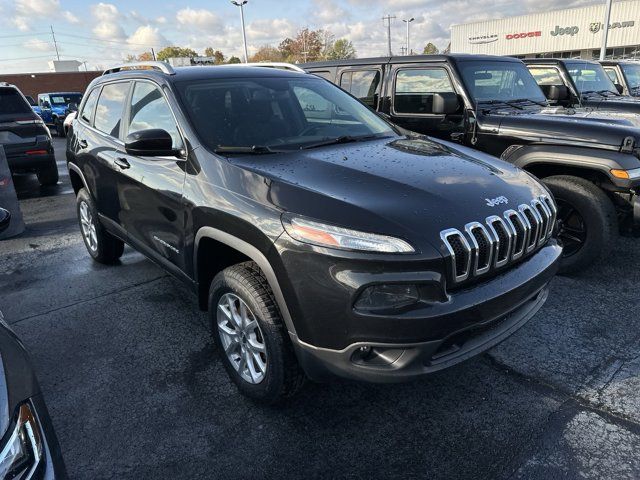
283,113
546,75
90,105
632,71
109,108
487,81
11,102
362,84
149,109
590,77
415,87
65,98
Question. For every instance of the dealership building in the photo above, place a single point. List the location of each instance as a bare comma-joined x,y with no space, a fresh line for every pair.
569,33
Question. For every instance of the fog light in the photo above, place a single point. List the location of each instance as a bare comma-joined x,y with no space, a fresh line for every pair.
386,297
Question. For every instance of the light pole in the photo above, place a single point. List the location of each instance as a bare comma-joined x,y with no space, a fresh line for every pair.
605,33
244,35
408,22
388,19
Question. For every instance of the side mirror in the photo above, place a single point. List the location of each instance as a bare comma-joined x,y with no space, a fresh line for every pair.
154,142
72,107
446,103
555,93
619,88
46,104
5,219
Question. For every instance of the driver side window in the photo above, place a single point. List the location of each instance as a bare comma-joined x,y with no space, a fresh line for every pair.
414,89
149,109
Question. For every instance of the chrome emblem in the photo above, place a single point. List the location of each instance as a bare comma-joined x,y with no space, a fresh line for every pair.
492,202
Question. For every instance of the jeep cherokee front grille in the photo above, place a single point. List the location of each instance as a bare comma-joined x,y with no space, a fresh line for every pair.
500,240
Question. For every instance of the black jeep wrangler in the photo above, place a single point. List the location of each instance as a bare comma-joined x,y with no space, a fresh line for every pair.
625,75
583,83
493,104
321,240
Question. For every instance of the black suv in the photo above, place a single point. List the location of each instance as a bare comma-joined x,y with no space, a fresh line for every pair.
321,240
25,138
625,75
583,83
589,161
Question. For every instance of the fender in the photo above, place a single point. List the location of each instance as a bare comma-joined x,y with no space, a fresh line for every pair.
254,254
603,161
75,168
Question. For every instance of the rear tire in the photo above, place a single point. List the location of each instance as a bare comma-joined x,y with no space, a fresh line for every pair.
48,176
279,374
585,213
101,245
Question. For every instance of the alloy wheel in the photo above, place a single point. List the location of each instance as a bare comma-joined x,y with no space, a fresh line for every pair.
242,339
572,229
88,227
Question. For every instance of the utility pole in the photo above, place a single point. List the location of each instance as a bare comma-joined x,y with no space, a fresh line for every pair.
408,22
605,32
153,54
244,34
388,19
55,44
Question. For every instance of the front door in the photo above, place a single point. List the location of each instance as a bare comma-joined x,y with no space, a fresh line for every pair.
150,188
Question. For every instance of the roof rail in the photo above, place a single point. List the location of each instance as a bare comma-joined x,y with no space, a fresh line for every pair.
161,66
278,65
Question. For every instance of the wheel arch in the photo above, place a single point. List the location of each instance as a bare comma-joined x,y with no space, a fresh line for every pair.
208,240
77,178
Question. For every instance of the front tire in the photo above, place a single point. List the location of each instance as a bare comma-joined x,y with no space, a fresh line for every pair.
250,335
587,222
48,176
101,245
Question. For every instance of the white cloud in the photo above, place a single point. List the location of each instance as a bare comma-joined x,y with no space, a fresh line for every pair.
105,12
108,26
147,36
39,45
37,8
270,30
202,18
20,23
70,17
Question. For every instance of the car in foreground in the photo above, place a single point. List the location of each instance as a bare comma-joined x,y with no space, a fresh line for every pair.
54,108
579,83
588,160
29,449
322,241
25,138
625,75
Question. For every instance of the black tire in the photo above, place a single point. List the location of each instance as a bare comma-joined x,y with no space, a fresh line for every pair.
107,249
283,377
48,176
60,128
593,212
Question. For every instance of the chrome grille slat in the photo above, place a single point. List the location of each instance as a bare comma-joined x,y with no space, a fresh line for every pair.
500,239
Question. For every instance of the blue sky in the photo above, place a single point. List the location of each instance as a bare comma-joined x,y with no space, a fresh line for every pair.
102,33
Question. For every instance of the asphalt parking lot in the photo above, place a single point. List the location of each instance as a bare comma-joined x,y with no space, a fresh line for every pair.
135,390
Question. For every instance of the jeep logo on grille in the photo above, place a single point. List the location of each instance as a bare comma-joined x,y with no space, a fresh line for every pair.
492,202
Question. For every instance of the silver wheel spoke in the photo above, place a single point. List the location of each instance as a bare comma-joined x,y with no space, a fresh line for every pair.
242,338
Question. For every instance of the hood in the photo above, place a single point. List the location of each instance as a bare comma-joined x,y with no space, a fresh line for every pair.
582,127
410,187
620,103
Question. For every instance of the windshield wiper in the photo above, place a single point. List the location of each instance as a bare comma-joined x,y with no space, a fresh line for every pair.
341,139
601,93
522,100
253,150
500,102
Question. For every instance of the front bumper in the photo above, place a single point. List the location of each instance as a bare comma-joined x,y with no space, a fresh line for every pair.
329,332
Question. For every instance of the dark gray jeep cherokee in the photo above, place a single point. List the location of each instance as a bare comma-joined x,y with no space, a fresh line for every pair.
322,241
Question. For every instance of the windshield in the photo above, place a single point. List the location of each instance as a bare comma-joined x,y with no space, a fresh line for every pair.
590,77
65,98
632,72
500,81
281,113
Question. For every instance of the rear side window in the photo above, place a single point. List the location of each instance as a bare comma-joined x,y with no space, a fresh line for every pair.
415,87
546,76
613,75
11,102
149,109
109,108
364,85
90,105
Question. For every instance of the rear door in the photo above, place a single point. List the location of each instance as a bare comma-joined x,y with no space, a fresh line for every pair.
150,188
412,87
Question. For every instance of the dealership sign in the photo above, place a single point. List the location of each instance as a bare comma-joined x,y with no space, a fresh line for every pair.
565,30
597,26
513,36
483,39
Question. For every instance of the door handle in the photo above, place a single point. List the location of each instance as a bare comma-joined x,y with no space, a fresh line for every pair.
83,143
122,163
